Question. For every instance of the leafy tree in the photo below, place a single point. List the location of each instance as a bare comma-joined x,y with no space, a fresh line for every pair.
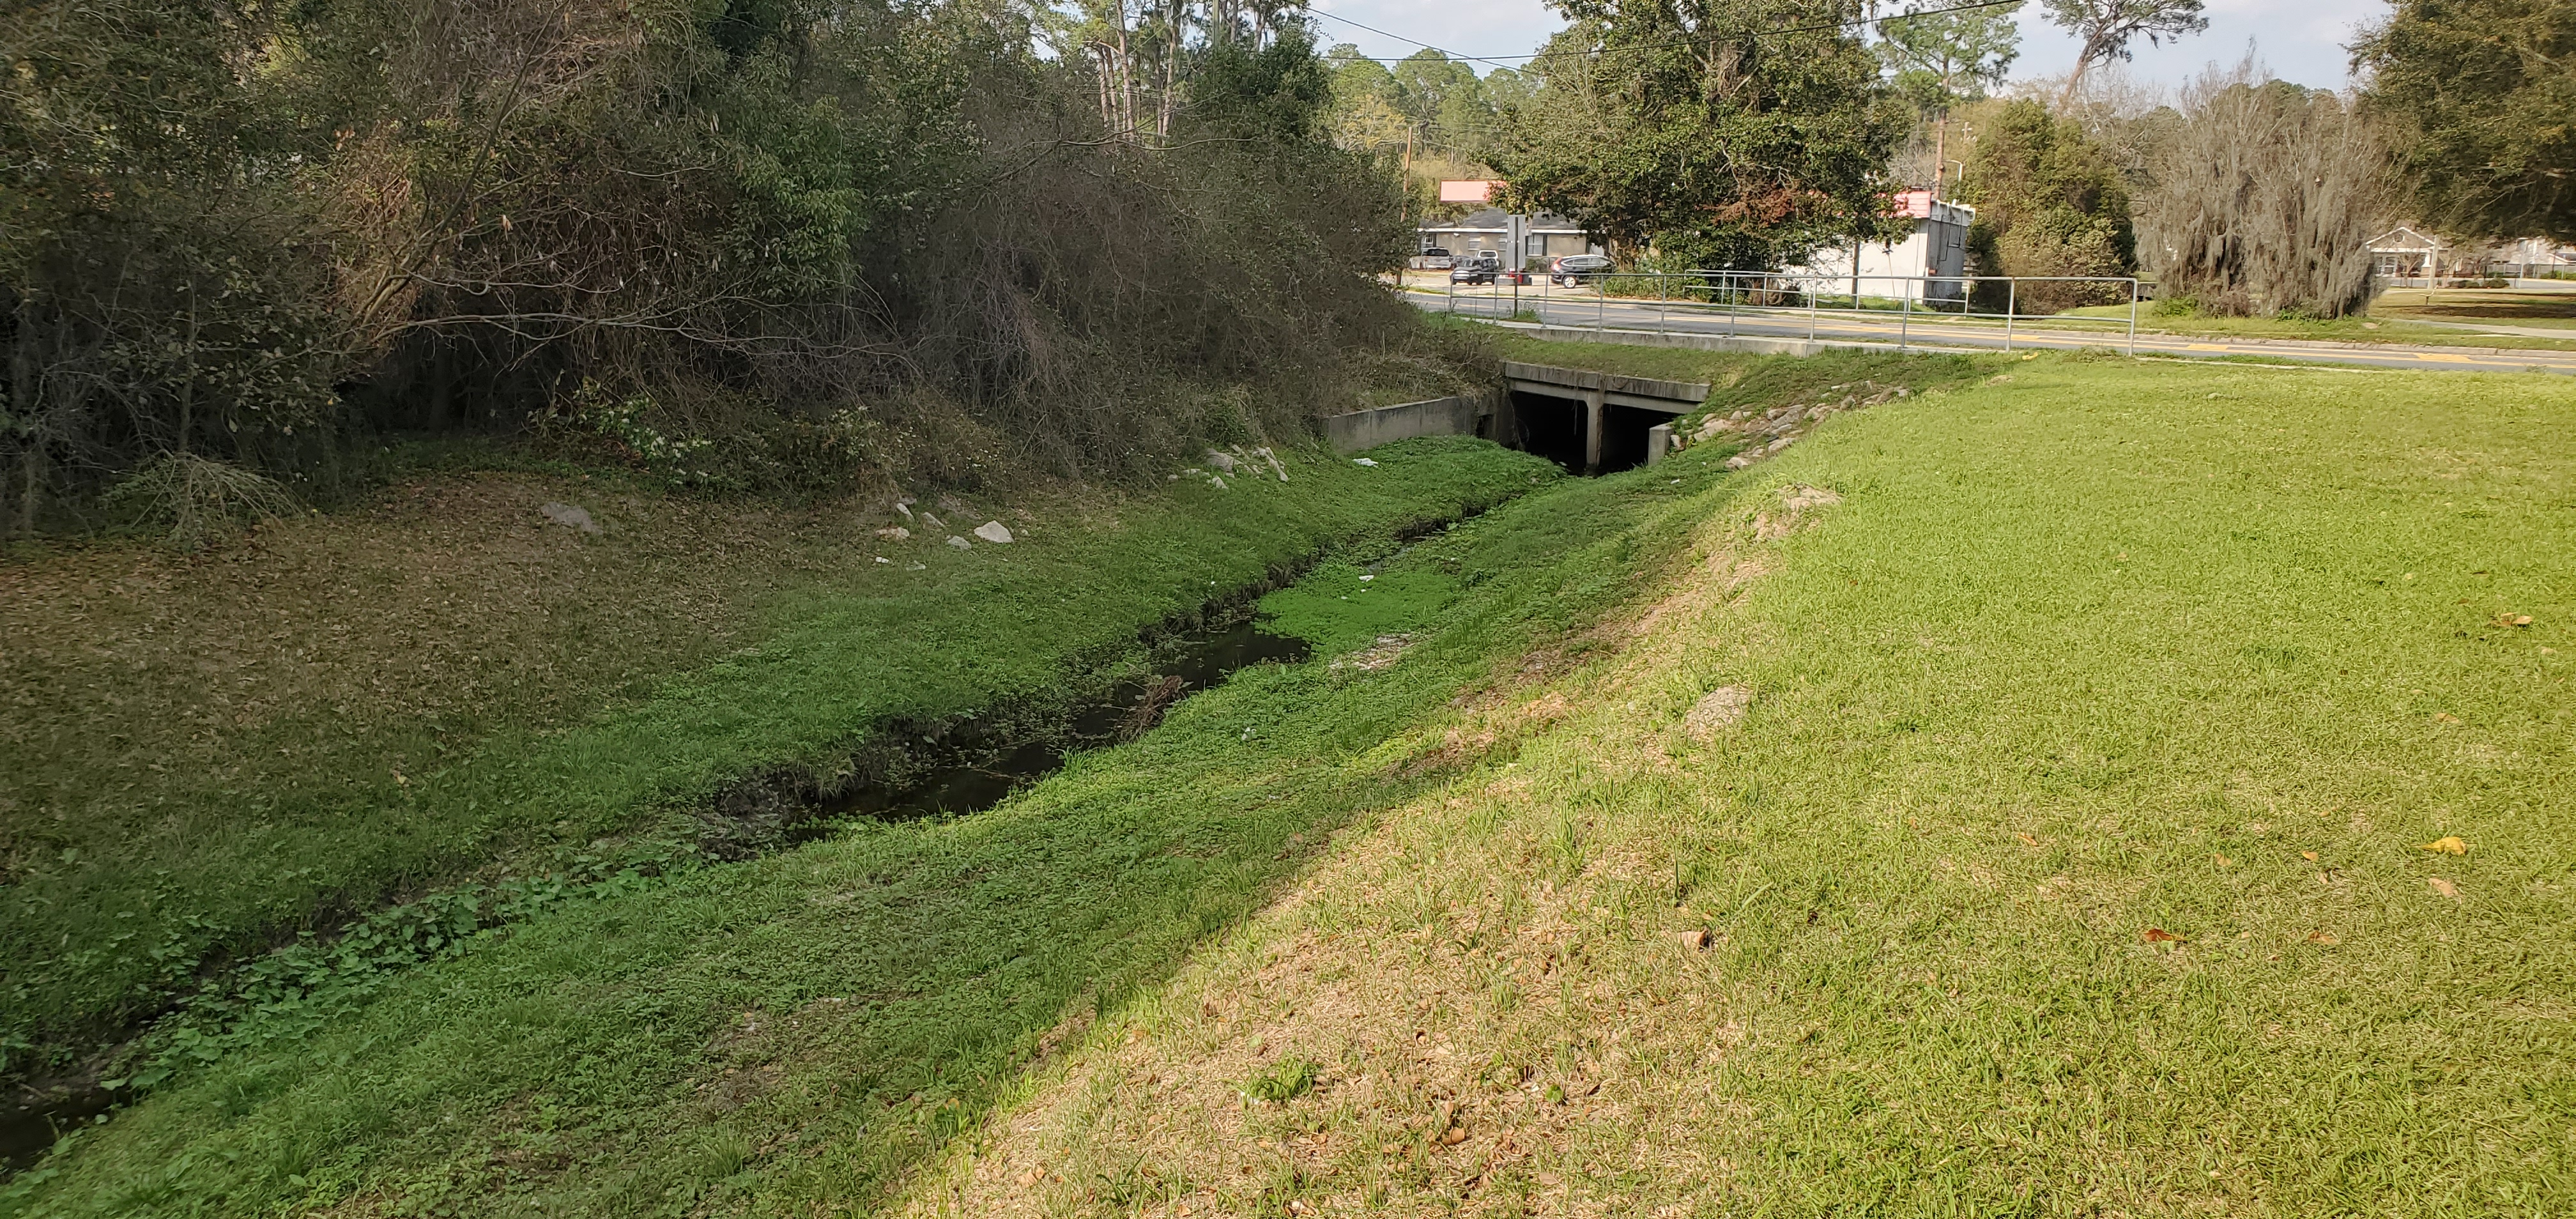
2107,27
2483,98
1939,59
2049,203
1723,133
1364,115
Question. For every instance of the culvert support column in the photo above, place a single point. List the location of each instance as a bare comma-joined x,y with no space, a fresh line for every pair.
1593,402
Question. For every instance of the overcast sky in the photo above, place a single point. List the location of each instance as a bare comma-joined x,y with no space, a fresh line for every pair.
2301,40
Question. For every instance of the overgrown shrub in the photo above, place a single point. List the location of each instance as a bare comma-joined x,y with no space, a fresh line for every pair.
2050,202
797,246
2266,200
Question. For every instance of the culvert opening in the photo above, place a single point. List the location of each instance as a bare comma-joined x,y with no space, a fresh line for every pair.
1552,427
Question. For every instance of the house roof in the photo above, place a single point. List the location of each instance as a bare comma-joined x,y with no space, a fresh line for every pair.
2403,240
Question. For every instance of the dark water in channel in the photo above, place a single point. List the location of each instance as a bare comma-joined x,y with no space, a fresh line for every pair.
977,779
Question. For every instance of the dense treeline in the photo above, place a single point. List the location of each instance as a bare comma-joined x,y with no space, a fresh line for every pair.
767,244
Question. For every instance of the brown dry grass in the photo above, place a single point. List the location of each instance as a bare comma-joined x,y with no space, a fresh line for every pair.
444,609
1509,1015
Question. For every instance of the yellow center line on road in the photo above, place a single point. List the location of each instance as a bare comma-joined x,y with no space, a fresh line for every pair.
2441,357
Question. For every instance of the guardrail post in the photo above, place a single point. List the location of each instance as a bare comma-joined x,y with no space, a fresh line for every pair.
1905,314
2133,319
2012,291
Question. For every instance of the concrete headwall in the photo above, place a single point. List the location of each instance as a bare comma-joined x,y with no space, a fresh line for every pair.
1436,417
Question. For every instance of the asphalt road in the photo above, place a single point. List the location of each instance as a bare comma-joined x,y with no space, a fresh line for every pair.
1563,307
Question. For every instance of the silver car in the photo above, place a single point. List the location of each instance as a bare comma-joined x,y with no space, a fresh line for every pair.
1578,269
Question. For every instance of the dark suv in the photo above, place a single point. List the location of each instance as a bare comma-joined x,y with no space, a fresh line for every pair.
1477,270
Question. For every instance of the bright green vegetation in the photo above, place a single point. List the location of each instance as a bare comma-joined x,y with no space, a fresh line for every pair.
1738,381
2104,649
2391,320
2068,861
801,1028
2111,649
154,817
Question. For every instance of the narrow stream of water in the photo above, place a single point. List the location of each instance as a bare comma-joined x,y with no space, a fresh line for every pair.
978,779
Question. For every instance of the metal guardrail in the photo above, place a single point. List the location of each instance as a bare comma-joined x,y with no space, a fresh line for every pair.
1931,301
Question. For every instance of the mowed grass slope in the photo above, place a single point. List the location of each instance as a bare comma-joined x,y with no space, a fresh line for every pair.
2070,858
204,753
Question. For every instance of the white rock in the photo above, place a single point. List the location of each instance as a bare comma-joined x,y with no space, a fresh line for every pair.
1265,454
1216,482
569,517
1717,711
993,531
960,543
931,521
1362,461
883,559
894,533
1222,461
904,506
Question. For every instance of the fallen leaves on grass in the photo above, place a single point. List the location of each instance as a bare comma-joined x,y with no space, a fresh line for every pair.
2310,856
2323,937
2027,840
2445,717
2223,861
2158,935
1692,939
2513,620
2448,844
2443,887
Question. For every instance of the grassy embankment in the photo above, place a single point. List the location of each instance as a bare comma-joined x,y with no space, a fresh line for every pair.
202,751
805,1027
2071,857
2398,316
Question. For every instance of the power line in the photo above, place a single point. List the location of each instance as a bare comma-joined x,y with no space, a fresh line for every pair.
1496,60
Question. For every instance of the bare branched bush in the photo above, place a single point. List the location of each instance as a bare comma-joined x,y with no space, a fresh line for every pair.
198,499
2265,201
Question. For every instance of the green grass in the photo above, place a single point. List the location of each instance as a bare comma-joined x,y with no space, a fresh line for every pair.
2388,322
2152,619
1739,380
804,1028
2104,648
132,857
2069,860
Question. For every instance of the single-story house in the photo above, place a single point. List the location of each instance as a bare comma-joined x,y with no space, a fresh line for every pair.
2404,253
1536,238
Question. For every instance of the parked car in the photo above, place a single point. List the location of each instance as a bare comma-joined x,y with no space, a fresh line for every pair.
1435,259
1578,269
1472,272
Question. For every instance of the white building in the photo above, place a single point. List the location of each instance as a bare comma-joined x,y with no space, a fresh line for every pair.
1936,250
1493,230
